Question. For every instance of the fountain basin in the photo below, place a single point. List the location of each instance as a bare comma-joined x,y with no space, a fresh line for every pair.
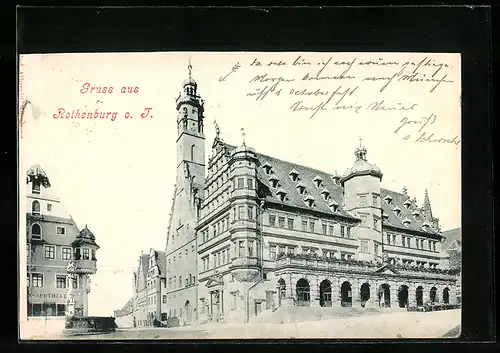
89,324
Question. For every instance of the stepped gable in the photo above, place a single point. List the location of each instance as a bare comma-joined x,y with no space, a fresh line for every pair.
398,202
85,237
161,262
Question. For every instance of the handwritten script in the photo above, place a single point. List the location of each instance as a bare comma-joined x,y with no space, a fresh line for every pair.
383,85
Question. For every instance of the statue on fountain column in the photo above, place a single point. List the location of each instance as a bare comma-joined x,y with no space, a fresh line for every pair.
70,301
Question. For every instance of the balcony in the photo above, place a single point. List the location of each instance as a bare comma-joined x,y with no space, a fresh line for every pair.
244,262
86,266
311,262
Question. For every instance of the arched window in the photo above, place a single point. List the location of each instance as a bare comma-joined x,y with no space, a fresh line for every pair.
36,231
192,153
35,207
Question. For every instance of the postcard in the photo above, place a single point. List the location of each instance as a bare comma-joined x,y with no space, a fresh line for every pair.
199,195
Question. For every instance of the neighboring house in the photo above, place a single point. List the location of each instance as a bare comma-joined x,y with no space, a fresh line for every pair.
54,240
452,244
149,302
249,232
125,316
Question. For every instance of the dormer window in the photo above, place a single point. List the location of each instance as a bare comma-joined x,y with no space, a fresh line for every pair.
317,181
334,206
325,192
397,211
426,226
336,178
416,215
281,194
406,222
309,200
407,204
274,180
388,199
301,187
267,167
294,175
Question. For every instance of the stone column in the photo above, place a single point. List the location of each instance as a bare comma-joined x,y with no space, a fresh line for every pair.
83,287
412,296
336,295
356,297
394,294
314,292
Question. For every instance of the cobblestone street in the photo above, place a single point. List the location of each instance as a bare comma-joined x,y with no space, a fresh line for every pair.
387,325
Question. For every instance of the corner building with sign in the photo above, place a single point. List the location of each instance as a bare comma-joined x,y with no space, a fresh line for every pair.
54,240
249,233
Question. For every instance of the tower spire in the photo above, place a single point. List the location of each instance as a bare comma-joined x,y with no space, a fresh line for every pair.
360,151
427,206
243,136
190,67
217,129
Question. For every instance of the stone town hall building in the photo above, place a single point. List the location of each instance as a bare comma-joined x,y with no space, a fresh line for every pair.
250,232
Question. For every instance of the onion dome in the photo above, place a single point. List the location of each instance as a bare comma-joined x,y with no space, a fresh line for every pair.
36,173
85,237
189,82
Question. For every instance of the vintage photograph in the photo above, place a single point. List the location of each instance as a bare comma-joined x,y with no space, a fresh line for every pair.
240,195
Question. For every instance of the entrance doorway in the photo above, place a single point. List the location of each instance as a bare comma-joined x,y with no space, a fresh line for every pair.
384,296
364,293
446,295
346,294
403,296
419,296
282,287
187,310
303,292
433,295
325,293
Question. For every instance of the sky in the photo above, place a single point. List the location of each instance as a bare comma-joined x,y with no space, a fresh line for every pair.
117,177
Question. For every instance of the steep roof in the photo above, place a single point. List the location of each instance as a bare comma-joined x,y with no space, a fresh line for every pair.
451,236
398,202
281,169
85,237
127,308
306,176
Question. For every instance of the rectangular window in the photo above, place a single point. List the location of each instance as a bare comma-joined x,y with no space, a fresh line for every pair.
281,222
272,252
364,220
164,299
330,230
86,254
49,207
348,232
342,231
241,183
60,281
218,228
375,200
364,246
37,280
241,212
35,188
66,253
250,248
250,183
324,228
290,223
394,238
93,255
375,248
304,226
61,230
228,256
375,224
241,250
272,220
180,281
388,239
50,252
311,226
250,213
362,201
408,241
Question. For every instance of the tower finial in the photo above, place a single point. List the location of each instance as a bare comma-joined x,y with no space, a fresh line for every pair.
243,136
190,67
360,142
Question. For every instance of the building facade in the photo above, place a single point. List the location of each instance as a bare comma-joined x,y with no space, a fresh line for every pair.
452,244
251,232
150,300
53,241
